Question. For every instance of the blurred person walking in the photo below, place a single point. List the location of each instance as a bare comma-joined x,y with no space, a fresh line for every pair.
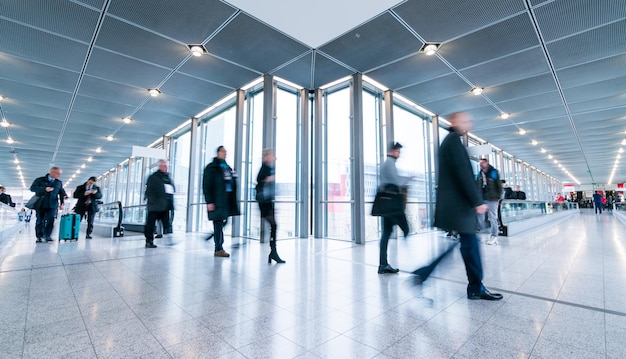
265,196
50,190
488,180
88,195
160,199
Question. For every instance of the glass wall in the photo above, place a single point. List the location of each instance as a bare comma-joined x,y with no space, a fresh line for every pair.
253,133
179,172
337,166
136,183
411,131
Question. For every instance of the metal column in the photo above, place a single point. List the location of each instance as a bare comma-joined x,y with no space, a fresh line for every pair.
239,112
433,172
389,125
318,162
304,175
358,165
193,172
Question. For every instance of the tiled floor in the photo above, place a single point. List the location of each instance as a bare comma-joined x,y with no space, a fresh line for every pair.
103,298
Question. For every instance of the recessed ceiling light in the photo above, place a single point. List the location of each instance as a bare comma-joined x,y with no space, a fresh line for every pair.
621,150
619,156
504,115
430,49
4,123
556,162
90,159
82,166
2,98
127,120
534,143
543,150
521,131
550,156
77,171
16,161
624,142
10,141
110,138
477,91
154,92
99,149
197,50
74,175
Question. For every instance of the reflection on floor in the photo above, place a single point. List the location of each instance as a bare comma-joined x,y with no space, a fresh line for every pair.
112,298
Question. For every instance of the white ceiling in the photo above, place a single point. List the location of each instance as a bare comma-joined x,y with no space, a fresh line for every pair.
314,23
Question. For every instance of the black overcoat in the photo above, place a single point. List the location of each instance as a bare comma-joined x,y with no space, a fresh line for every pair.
159,200
79,193
457,193
214,188
50,199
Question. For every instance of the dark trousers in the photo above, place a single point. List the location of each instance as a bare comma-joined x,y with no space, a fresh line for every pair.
388,223
45,222
267,213
598,207
470,251
152,216
218,234
91,215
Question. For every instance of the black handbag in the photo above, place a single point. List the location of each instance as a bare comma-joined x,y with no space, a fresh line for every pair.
34,202
389,201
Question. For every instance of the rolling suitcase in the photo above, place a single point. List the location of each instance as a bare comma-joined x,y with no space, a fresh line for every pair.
69,226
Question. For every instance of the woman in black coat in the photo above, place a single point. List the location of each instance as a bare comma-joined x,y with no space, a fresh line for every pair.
265,194
219,184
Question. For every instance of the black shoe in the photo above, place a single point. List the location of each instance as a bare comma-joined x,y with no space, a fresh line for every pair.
88,237
387,269
150,245
48,239
486,295
158,236
39,240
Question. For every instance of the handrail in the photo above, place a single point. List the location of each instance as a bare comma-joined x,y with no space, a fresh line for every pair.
107,208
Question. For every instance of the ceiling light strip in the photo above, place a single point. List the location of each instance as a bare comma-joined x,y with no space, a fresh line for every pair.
70,107
533,19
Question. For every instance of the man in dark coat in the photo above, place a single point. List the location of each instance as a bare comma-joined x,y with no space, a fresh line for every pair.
51,191
6,198
219,185
459,201
489,184
160,197
88,195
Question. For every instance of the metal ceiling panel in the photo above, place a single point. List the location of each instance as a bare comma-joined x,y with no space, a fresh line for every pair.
522,88
543,114
36,74
190,23
436,89
111,91
96,125
192,89
590,118
20,92
409,71
124,70
603,42
260,47
60,17
605,69
442,20
375,43
595,90
548,99
177,108
501,39
98,106
327,71
483,115
511,68
138,43
211,68
17,110
561,18
464,102
299,72
94,3
598,104
42,47
153,124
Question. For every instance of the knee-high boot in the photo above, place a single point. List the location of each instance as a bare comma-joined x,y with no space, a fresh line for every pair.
273,253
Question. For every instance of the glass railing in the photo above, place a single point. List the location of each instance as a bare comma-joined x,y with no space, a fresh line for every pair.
620,206
511,210
111,214
9,217
135,215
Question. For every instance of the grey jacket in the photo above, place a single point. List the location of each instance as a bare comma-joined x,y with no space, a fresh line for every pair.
389,173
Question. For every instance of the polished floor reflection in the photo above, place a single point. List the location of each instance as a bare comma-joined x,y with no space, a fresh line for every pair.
103,298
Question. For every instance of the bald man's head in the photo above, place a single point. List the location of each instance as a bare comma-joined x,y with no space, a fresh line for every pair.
461,121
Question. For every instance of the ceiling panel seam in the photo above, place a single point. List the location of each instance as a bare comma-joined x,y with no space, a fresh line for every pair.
221,27
43,30
313,57
145,29
500,58
533,19
586,30
80,76
350,68
41,63
290,62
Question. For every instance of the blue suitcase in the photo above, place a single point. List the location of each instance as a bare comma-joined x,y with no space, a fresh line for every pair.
69,226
